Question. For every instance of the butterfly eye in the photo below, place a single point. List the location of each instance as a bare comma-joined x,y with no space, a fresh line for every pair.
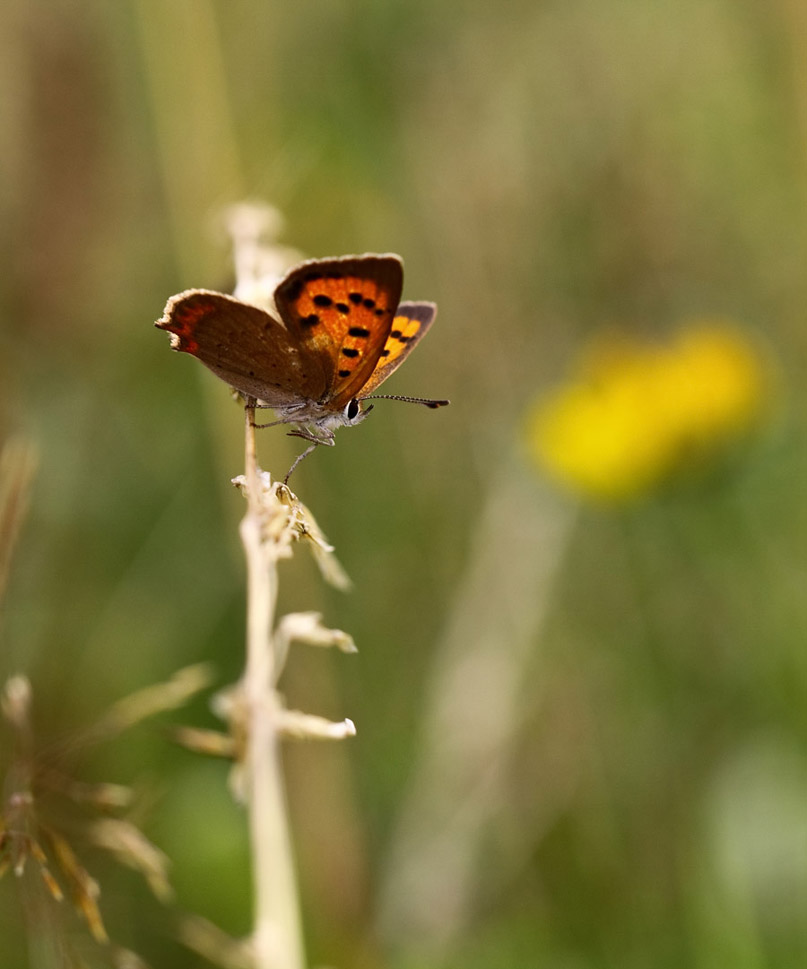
352,409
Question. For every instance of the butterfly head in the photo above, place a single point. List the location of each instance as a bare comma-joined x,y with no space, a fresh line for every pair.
354,413
329,420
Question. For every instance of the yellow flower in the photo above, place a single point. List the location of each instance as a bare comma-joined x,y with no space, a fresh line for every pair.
634,413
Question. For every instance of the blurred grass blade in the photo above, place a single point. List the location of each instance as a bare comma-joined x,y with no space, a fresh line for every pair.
18,461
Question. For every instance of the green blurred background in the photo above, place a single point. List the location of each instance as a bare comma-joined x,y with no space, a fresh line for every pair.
635,794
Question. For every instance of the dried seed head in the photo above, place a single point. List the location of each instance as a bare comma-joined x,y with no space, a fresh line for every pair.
285,520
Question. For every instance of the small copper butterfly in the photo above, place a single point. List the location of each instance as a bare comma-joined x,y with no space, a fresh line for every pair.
343,332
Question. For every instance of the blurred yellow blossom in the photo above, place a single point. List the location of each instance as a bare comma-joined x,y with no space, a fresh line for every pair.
636,412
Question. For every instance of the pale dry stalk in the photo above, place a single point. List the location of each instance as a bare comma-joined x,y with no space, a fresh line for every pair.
277,938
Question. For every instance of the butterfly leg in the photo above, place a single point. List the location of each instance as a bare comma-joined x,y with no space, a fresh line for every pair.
288,419
299,458
325,437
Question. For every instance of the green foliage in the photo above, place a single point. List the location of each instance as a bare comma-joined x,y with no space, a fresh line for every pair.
545,170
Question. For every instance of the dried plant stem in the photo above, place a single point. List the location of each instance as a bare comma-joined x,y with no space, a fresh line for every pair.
17,466
277,938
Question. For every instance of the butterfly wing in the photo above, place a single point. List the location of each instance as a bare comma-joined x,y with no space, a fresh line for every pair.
341,311
244,346
409,326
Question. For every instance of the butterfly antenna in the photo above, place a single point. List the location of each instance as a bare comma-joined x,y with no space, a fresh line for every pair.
433,404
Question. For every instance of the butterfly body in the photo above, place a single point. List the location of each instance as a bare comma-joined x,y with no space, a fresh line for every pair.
342,331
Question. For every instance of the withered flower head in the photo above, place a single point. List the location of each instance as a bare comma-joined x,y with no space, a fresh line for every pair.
49,816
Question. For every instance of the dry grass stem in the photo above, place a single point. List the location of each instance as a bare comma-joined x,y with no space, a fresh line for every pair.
17,466
258,720
277,929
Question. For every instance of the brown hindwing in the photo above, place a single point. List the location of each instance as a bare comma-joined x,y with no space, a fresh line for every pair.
244,346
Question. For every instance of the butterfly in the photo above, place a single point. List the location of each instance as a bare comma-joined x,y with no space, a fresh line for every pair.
342,331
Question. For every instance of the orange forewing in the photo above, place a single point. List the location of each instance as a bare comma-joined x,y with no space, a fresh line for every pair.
342,311
411,322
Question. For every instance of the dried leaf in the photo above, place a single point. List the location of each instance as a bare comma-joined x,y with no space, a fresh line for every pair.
213,743
306,627
210,942
132,848
158,698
